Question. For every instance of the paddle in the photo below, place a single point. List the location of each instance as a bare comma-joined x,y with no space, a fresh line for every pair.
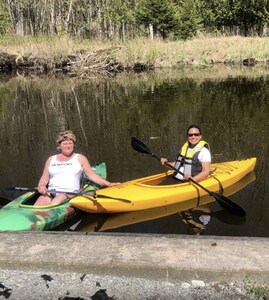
85,194
225,202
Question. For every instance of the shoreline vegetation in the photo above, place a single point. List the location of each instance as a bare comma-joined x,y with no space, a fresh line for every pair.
79,57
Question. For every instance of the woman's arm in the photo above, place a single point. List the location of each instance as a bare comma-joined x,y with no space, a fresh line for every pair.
87,169
44,179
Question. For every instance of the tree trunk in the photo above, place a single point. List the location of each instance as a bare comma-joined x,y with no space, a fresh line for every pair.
123,30
53,28
151,33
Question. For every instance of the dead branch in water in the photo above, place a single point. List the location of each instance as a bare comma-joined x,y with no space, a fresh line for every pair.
100,60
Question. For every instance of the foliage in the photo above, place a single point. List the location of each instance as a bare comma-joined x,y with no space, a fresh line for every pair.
158,13
250,14
235,16
5,23
258,291
214,13
189,20
121,19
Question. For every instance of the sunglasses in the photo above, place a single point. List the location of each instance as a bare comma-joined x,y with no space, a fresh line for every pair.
65,138
193,134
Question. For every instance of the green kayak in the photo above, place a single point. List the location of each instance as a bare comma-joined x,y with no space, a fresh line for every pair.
20,214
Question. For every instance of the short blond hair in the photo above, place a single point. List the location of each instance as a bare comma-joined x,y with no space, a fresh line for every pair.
65,136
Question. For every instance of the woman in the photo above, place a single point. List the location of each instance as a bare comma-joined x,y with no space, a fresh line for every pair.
194,158
63,172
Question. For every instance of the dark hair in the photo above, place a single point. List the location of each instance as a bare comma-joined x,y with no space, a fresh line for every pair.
194,126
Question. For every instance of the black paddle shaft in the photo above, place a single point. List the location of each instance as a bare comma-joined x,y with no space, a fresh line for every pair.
85,194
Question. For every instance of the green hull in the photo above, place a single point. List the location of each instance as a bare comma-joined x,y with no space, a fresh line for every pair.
20,214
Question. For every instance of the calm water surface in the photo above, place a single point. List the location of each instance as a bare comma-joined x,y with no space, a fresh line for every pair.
105,113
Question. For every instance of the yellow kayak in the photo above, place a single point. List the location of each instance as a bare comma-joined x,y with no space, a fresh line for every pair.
101,222
148,192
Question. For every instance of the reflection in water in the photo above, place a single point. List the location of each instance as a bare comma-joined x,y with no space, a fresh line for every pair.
106,112
197,218
80,117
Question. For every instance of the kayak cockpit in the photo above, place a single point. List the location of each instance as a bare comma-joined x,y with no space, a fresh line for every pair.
29,202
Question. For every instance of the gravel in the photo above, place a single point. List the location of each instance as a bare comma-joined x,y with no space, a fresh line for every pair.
18,285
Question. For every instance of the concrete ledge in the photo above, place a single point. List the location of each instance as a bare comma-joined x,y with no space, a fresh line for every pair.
168,258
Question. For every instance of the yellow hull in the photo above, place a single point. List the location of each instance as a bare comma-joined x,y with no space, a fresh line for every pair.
147,192
93,223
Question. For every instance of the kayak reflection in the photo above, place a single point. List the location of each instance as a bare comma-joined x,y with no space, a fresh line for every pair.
103,222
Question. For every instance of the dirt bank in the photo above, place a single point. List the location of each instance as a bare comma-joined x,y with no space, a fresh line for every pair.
102,61
99,61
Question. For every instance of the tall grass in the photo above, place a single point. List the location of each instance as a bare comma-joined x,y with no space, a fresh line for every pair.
199,51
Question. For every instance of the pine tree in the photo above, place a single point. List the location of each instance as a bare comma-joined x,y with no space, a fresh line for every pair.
189,22
161,15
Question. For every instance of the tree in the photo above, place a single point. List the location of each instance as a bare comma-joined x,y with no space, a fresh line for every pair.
215,14
5,24
250,14
114,19
161,15
189,20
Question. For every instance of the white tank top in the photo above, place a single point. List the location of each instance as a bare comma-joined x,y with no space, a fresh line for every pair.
65,175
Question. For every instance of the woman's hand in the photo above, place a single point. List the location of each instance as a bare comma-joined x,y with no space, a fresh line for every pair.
42,189
163,161
113,183
187,176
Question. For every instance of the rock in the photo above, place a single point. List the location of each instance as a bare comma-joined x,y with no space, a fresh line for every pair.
185,285
197,283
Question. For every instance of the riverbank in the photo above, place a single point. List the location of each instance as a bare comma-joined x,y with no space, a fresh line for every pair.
65,265
62,53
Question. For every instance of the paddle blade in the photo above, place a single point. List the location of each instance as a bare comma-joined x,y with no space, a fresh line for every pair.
139,146
20,188
229,205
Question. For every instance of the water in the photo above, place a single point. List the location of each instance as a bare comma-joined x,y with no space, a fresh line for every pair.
231,108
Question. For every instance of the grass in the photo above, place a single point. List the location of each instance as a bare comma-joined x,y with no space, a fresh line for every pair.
49,46
259,291
201,51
